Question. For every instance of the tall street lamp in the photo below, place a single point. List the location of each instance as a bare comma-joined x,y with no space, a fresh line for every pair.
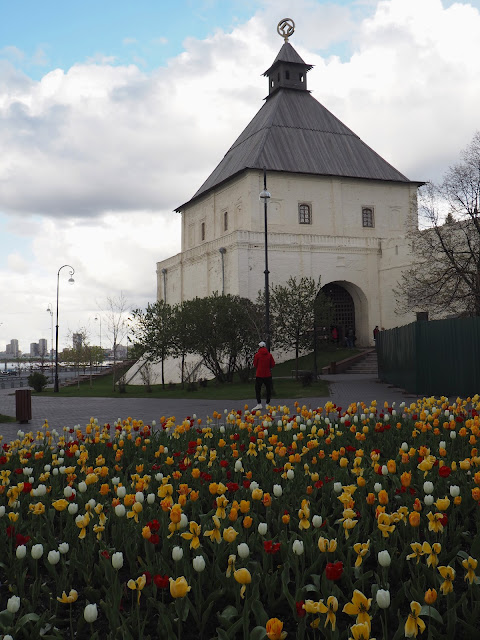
265,196
99,319
71,281
50,311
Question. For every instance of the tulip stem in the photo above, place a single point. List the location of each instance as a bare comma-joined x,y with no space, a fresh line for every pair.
384,624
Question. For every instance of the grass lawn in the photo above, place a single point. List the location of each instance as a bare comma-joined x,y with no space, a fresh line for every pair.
4,418
284,385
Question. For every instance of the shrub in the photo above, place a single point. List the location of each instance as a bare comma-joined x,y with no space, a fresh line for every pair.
37,381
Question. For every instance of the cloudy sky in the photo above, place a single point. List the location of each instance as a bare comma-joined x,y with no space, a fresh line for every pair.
113,113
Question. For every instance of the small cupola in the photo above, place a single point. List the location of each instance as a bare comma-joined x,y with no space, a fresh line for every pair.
288,70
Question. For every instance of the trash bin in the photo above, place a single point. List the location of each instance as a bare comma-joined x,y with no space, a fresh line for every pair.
23,405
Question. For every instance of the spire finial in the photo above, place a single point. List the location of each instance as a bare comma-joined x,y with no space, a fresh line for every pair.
285,28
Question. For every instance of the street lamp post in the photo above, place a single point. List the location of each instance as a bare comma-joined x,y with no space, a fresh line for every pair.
265,196
71,281
99,319
50,311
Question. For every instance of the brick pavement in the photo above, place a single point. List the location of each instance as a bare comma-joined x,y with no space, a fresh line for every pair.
60,412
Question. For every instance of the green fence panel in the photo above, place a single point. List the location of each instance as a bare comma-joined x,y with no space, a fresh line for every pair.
439,357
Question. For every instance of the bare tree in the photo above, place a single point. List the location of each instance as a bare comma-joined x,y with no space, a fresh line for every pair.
445,276
117,326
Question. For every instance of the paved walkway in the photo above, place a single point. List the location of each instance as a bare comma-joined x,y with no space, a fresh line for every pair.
60,412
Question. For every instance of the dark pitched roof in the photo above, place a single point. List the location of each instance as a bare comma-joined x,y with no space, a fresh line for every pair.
294,133
287,54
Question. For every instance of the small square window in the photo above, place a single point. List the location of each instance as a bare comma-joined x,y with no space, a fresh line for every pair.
225,221
304,214
202,228
368,217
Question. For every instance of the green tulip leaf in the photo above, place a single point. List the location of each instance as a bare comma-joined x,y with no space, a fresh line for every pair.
432,612
258,633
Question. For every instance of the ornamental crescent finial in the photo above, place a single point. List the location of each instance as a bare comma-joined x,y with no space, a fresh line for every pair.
285,28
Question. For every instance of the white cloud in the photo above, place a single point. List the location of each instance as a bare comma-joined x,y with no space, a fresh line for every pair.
99,155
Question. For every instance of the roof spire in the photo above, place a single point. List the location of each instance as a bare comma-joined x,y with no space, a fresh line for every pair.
285,28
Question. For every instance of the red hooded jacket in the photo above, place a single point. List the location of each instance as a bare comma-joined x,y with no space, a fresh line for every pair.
264,363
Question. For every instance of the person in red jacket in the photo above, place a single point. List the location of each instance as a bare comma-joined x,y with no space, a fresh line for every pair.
263,362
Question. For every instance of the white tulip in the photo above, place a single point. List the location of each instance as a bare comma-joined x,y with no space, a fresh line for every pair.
183,521
13,604
41,490
337,487
2,511
279,423
117,560
37,551
290,474
198,563
243,550
53,557
115,480
64,547
139,497
90,613
92,503
177,553
384,470
73,508
262,528
428,500
222,430
277,490
383,598
428,487
67,492
238,465
303,427
454,491
47,468
158,477
317,521
453,435
120,510
384,559
21,551
404,446
121,492
254,485
150,498
297,547
442,444
82,487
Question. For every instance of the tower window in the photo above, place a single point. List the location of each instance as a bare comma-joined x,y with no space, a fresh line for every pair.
225,221
202,231
367,217
300,77
304,214
287,75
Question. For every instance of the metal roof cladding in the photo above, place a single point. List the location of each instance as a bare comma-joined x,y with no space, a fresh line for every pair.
294,133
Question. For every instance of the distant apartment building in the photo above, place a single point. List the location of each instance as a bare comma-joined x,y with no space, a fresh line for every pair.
42,347
12,349
77,339
34,349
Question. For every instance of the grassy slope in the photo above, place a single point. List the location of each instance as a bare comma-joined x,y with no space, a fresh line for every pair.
284,385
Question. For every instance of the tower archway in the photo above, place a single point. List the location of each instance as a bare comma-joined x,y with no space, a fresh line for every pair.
351,310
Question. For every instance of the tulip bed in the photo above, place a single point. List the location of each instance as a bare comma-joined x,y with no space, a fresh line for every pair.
359,522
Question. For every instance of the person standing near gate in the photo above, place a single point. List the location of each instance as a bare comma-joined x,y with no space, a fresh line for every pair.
263,362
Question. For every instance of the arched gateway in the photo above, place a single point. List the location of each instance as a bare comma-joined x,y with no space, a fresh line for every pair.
351,310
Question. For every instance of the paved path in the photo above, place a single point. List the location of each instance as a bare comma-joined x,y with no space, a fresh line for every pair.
60,412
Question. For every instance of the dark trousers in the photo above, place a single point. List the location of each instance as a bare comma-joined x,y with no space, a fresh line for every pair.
268,388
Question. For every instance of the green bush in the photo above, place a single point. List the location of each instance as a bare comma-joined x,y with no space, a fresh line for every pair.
37,381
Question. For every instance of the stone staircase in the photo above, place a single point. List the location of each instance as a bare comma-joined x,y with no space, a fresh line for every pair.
367,365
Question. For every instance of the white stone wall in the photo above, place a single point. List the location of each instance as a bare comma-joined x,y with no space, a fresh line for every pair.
335,246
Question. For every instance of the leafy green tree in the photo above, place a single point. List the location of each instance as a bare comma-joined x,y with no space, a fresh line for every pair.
219,329
297,307
154,332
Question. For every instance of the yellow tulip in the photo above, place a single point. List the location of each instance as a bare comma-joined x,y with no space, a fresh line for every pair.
60,505
274,629
72,597
448,575
229,535
359,606
243,577
414,623
470,564
179,587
